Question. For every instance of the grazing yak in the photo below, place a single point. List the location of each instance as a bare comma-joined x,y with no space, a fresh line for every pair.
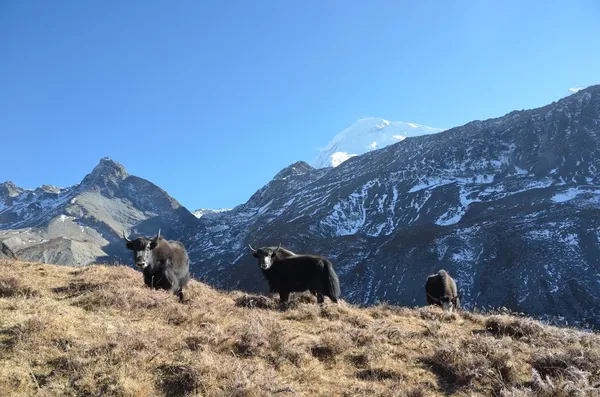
441,290
287,272
165,263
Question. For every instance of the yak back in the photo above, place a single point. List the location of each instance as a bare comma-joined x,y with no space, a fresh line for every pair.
298,273
440,285
174,255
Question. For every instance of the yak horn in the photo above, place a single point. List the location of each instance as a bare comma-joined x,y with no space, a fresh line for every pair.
252,248
157,236
125,237
278,248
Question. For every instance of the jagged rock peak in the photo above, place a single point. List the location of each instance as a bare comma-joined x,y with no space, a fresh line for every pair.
9,189
49,189
298,168
107,169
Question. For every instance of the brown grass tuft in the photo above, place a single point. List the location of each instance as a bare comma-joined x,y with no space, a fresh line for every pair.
476,361
378,374
330,345
560,364
435,313
13,287
177,380
514,327
255,302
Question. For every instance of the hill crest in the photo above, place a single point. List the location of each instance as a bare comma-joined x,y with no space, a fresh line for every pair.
97,330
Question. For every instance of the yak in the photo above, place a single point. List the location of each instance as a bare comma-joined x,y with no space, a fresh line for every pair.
287,272
165,264
441,290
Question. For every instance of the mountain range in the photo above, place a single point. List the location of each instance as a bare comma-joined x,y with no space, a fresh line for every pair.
508,206
84,223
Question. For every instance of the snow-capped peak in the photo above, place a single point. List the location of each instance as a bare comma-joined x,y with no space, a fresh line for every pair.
365,135
206,211
574,90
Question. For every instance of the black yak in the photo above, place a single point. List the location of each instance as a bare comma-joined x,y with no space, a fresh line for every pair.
441,290
287,272
165,263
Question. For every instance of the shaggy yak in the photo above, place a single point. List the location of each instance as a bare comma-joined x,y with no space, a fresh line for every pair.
165,263
441,290
287,272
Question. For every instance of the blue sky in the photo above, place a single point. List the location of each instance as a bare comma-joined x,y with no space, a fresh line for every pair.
210,99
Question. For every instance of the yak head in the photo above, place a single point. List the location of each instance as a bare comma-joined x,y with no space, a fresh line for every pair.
265,255
142,249
448,303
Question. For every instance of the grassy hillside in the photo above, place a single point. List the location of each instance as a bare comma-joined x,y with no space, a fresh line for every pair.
98,331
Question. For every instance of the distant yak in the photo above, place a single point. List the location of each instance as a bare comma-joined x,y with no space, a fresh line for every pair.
287,272
165,263
441,290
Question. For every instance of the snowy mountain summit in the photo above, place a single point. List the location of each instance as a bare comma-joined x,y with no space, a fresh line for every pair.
365,135
209,212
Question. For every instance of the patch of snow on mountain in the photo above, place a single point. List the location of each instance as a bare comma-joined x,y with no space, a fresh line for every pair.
365,135
573,90
455,214
570,239
350,214
283,208
521,171
570,194
543,234
338,158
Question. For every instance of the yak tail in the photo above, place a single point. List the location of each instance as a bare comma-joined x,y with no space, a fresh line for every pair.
332,282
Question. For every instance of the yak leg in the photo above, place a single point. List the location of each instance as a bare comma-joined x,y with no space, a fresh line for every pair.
179,294
320,298
457,304
284,296
333,298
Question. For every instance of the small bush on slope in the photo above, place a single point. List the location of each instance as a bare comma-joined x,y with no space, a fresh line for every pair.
99,331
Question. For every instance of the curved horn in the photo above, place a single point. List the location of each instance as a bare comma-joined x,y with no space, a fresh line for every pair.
252,248
278,248
157,236
125,237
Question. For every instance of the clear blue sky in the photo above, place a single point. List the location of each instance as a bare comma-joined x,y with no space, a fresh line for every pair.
210,99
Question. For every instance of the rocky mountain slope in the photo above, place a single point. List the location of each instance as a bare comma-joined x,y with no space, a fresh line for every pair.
366,135
82,224
509,206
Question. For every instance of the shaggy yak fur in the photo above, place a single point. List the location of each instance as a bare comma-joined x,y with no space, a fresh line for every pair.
165,263
287,272
441,290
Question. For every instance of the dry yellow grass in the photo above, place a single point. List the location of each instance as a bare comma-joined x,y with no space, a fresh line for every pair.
99,331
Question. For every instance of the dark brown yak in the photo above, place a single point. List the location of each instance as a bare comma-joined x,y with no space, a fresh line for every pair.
287,272
441,290
165,263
